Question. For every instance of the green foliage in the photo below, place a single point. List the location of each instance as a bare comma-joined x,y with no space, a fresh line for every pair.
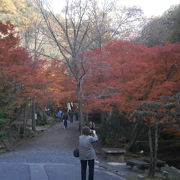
151,105
170,105
174,18
2,113
3,133
18,12
152,109
2,121
161,30
141,114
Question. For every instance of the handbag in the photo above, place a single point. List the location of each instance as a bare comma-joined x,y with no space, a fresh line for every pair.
76,152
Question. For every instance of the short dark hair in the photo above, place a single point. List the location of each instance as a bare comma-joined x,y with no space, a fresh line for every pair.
86,131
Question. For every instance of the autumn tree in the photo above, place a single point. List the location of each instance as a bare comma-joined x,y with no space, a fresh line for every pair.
16,65
106,87
111,72
71,40
23,79
132,73
30,28
19,12
82,25
126,75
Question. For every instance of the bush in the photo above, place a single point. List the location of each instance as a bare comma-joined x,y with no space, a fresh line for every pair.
116,130
3,122
3,133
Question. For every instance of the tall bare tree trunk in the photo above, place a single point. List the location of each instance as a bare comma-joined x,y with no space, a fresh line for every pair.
80,108
156,136
24,121
137,130
33,116
153,144
151,174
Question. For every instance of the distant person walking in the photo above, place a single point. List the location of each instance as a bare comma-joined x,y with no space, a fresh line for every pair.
59,114
86,152
65,119
92,125
70,113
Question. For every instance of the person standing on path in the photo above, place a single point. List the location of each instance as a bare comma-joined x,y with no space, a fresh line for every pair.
59,114
86,152
91,125
65,118
70,113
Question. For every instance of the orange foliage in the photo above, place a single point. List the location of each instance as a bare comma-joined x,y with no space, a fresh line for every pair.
124,74
22,78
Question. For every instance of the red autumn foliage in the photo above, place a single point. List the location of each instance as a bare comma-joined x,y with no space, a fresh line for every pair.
123,74
15,65
22,78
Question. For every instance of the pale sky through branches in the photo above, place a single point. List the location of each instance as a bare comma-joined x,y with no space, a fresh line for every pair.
152,7
149,7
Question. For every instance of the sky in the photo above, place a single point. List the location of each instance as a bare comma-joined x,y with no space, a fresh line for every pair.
149,7
152,7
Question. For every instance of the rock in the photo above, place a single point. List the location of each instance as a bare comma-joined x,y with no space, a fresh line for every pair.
49,120
29,122
165,174
140,176
116,164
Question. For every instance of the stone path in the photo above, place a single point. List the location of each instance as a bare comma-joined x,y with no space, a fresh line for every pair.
48,157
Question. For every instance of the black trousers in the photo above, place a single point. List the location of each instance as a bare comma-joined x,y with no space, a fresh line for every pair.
84,167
